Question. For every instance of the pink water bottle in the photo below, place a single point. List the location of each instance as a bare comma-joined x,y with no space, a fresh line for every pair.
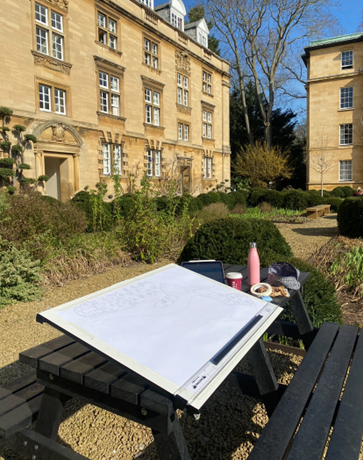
253,265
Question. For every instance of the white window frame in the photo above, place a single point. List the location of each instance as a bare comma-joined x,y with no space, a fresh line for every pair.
148,3
107,30
49,32
152,107
153,163
207,82
347,62
343,134
110,98
112,159
60,97
343,171
207,124
42,94
182,89
346,98
176,20
151,53
207,168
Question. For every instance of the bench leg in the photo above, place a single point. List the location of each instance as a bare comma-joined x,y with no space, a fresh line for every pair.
302,319
172,446
50,413
32,445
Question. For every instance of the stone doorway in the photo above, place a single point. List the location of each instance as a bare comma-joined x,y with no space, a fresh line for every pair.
185,179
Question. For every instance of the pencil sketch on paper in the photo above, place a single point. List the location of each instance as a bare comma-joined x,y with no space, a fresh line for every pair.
172,322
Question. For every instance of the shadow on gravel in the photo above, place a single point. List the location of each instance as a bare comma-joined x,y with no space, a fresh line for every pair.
316,231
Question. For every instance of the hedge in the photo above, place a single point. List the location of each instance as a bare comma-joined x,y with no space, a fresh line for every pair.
350,217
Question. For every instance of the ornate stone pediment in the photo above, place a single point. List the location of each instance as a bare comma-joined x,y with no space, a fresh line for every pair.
62,4
51,63
182,61
58,133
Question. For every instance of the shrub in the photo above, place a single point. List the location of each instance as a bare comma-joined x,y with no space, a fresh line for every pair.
350,217
229,240
295,200
98,212
212,212
338,192
122,206
257,196
348,191
20,278
29,215
265,207
227,199
215,197
275,198
319,294
314,199
239,209
239,197
334,203
205,199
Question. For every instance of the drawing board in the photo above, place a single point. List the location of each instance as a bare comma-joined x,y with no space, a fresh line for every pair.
178,329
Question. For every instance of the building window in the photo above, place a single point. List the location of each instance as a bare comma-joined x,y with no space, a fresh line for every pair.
346,134
49,32
183,132
207,124
107,30
153,163
109,93
152,107
347,59
151,53
176,21
147,3
202,39
207,168
346,98
183,89
207,83
52,99
111,159
345,170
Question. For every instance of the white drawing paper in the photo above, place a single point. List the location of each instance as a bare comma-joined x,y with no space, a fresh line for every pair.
167,323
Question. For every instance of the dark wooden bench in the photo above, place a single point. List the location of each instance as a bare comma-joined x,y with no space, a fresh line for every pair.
315,212
312,406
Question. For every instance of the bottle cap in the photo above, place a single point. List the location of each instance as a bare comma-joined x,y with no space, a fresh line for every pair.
253,245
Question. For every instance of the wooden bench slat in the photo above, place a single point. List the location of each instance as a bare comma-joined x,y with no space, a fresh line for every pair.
348,428
53,362
15,400
279,430
314,429
32,355
21,382
100,379
77,369
19,418
128,388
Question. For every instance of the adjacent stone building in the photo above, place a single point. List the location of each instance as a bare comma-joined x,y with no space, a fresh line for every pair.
114,86
335,111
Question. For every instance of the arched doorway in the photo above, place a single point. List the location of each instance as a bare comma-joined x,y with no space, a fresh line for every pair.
57,154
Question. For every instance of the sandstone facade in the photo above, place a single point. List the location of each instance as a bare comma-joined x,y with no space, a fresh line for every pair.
335,111
110,85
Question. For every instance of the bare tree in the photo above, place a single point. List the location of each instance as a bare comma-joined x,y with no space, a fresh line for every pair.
264,41
320,159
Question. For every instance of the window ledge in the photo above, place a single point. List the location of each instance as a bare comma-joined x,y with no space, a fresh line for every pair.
148,125
108,47
346,110
109,115
51,62
207,139
345,145
207,94
152,69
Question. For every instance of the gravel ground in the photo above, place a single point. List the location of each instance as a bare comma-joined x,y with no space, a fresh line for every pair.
230,424
306,238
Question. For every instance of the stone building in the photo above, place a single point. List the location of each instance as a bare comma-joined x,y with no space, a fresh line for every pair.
335,111
112,85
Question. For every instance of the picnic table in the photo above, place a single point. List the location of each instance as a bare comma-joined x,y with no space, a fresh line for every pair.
65,368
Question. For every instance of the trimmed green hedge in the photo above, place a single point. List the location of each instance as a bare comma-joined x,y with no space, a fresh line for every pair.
350,217
97,219
229,240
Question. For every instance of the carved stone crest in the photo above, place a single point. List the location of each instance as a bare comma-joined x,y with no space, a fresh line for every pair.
182,61
59,132
62,4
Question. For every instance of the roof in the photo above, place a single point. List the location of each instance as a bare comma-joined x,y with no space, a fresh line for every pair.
336,40
202,24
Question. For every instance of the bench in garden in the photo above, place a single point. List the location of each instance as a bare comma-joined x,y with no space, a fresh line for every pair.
317,211
312,405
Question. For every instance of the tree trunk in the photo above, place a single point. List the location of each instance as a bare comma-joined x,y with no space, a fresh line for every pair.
242,91
322,183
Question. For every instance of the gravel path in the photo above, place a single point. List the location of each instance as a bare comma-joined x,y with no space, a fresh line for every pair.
308,237
229,425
